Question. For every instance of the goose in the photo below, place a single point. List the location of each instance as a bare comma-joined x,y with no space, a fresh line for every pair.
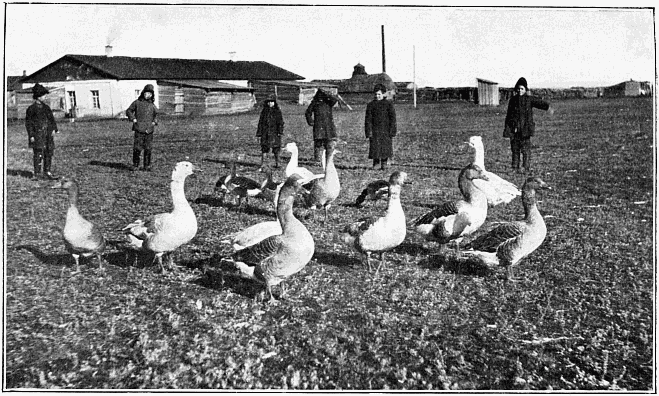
238,186
252,235
325,190
293,167
508,243
277,257
496,189
163,233
374,191
379,234
269,187
81,237
453,220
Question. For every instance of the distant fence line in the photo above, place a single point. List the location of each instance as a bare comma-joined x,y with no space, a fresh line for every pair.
471,93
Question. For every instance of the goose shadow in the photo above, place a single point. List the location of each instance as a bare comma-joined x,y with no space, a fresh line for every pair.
227,163
19,173
220,275
336,259
113,165
245,208
113,258
456,265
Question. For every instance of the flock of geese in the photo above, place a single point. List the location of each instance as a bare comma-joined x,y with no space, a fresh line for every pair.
272,251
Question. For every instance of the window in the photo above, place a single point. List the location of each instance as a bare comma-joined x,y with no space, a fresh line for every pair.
96,102
72,99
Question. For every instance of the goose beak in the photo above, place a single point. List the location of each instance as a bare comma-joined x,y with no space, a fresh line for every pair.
196,168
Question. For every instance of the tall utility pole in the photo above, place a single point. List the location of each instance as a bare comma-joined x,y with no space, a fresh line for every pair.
414,73
384,65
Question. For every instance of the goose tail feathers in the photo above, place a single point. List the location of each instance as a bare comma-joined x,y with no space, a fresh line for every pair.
487,258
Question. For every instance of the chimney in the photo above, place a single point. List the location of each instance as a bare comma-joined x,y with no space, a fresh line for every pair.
108,50
232,56
24,73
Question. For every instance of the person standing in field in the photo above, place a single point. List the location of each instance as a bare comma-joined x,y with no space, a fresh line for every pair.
270,130
519,125
41,125
319,116
380,127
143,113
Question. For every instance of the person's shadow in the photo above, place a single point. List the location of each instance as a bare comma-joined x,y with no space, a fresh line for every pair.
19,173
113,165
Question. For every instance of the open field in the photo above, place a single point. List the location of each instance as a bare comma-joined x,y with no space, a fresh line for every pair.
580,314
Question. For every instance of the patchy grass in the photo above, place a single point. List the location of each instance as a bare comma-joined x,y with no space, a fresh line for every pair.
579,316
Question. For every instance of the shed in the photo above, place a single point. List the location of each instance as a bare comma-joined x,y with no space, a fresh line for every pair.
628,88
300,92
203,97
488,92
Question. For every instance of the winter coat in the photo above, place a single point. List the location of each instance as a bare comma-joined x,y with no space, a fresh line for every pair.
271,126
40,125
319,115
380,127
145,112
519,119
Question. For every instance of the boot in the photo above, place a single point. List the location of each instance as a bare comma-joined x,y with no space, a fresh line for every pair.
47,162
384,164
376,162
526,162
277,160
515,161
36,162
136,159
147,160
263,155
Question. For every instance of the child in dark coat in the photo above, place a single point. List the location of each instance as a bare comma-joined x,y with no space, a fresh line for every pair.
40,125
519,124
380,127
319,115
270,129
143,113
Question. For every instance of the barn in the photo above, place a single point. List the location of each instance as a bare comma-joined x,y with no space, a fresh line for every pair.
488,92
104,86
359,87
628,88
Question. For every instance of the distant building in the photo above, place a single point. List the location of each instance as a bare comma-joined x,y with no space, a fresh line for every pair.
299,92
13,84
628,88
488,92
360,86
104,86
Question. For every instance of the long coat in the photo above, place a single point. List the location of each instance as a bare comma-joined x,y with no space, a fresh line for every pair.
380,127
271,126
519,118
319,115
40,125
145,112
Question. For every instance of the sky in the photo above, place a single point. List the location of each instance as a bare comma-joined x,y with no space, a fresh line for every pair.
437,46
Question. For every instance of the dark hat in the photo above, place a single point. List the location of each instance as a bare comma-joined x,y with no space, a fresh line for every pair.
380,87
522,82
148,88
271,98
39,90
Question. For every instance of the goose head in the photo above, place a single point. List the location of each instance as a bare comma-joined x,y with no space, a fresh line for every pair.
397,178
473,171
535,183
291,147
183,169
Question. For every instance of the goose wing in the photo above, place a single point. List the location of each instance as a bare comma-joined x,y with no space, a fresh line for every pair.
255,254
444,210
496,189
252,235
497,237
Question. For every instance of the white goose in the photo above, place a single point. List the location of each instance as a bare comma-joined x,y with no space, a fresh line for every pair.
453,220
508,243
380,234
293,167
81,237
325,190
165,232
495,188
276,257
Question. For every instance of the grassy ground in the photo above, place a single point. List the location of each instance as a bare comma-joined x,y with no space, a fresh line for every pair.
579,315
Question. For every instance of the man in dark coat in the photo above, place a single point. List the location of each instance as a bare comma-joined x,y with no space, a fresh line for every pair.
380,127
270,129
319,115
519,124
143,113
40,125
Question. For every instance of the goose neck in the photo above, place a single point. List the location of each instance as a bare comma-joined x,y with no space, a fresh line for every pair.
479,156
178,193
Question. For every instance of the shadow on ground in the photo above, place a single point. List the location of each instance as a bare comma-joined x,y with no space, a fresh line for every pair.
19,172
113,165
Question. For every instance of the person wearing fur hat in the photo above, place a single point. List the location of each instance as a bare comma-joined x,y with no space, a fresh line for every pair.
380,127
143,114
270,129
319,115
41,125
519,125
